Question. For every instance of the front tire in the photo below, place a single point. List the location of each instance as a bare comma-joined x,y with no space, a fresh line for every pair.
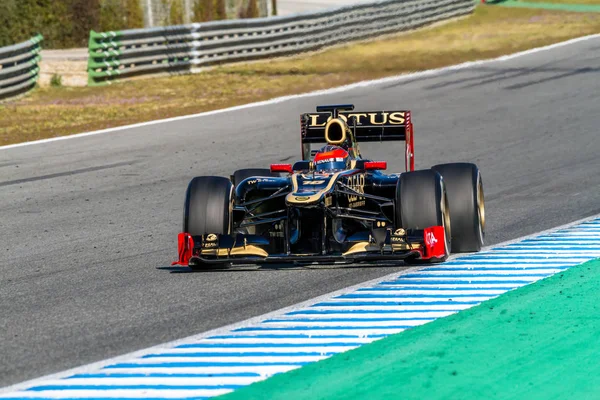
467,205
207,209
421,202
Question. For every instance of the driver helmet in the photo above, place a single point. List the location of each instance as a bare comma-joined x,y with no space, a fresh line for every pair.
331,158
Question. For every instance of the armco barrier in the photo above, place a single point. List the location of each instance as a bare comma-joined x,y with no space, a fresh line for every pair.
19,67
177,49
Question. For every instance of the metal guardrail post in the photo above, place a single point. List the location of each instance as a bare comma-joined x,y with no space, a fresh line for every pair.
184,48
19,67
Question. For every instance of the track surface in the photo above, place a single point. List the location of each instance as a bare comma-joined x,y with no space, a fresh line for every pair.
89,225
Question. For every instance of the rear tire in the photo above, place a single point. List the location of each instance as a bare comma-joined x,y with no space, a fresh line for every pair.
207,208
245,173
467,205
421,202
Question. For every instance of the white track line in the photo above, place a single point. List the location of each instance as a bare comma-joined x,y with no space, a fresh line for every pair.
391,79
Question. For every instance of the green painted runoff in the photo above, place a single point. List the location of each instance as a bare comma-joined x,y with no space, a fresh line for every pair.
573,7
538,342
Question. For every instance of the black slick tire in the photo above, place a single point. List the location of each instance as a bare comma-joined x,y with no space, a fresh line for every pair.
245,173
207,208
467,205
421,202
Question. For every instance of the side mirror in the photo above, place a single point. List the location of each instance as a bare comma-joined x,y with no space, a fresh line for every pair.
302,166
281,168
375,165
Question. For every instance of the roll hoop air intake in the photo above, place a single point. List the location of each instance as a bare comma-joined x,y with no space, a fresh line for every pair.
335,131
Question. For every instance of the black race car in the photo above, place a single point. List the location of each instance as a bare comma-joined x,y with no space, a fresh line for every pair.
334,205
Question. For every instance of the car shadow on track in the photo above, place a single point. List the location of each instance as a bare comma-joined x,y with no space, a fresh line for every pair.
279,267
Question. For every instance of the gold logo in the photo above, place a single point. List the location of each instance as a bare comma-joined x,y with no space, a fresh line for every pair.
313,182
400,232
356,204
211,237
372,118
356,183
301,198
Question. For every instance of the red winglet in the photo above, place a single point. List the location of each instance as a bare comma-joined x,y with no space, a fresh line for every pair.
282,168
435,242
185,245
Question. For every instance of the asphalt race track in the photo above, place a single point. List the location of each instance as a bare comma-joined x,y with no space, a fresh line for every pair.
89,225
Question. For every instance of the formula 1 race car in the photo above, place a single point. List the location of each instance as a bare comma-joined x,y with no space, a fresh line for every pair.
334,205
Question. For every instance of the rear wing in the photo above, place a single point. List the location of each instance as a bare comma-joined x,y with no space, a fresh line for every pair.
366,126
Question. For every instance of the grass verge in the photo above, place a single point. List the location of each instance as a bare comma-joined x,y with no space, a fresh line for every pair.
588,2
489,32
